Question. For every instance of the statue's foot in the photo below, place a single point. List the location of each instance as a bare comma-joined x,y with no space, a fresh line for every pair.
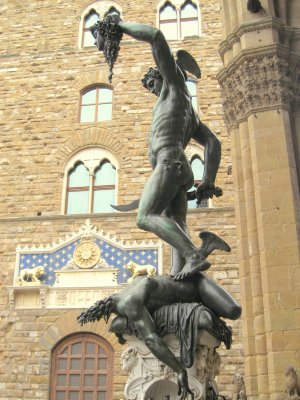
191,267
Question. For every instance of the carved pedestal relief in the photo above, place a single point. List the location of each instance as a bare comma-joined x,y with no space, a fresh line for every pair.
149,378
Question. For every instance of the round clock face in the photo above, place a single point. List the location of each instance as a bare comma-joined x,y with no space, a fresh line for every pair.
86,255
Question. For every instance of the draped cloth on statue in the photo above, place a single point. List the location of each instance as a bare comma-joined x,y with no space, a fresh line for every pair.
183,319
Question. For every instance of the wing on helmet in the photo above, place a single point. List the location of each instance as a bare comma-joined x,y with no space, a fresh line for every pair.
186,62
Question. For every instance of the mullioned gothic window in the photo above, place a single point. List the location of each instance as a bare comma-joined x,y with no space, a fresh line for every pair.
180,20
90,182
82,368
96,104
89,16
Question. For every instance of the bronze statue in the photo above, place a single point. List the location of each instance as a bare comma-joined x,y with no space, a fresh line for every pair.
163,204
145,295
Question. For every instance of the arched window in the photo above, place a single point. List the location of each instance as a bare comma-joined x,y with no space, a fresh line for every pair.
192,87
87,38
104,187
168,21
90,182
96,104
197,165
181,22
82,368
189,20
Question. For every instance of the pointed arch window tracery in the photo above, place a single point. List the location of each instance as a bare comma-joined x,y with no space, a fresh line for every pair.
90,182
179,20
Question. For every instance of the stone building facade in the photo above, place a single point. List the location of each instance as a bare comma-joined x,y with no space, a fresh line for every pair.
46,69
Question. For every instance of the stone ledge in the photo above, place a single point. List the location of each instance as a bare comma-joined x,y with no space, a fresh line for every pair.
213,210
42,296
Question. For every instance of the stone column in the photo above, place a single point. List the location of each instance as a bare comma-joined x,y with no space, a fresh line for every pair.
260,84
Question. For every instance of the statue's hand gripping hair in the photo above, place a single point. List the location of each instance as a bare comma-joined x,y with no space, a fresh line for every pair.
107,36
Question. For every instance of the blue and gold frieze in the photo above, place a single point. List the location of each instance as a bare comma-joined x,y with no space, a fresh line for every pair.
87,250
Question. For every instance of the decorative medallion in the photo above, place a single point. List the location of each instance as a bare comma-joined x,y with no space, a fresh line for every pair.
86,255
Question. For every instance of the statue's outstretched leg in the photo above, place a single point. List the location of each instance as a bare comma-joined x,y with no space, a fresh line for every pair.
216,298
177,211
172,172
196,261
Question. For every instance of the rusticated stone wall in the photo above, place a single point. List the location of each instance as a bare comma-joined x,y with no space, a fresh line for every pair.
42,73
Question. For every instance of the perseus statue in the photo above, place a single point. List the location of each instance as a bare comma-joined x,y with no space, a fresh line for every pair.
162,208
163,204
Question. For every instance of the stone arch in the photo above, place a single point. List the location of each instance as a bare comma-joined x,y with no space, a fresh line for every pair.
94,78
67,325
89,137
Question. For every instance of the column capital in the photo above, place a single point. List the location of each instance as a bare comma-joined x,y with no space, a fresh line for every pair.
259,79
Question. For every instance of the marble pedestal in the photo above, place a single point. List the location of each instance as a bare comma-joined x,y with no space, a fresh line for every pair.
150,379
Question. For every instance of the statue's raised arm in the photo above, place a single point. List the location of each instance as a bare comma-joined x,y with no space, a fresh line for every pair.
160,49
162,55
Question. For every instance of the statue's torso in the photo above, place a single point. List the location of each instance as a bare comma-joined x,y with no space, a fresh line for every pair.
156,292
173,121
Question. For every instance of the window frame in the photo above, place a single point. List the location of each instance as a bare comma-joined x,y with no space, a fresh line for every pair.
181,19
178,4
95,188
83,338
73,189
85,29
166,21
98,87
92,158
